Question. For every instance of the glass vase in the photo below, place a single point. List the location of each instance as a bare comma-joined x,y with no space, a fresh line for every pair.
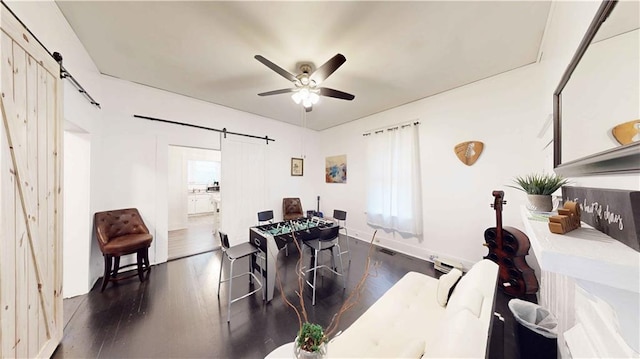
303,354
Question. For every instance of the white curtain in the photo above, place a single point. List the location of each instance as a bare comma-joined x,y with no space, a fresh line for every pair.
394,198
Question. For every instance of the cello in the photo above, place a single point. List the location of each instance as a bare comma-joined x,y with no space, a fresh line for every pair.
507,247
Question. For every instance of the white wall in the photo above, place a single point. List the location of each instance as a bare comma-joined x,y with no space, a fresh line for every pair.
77,221
505,112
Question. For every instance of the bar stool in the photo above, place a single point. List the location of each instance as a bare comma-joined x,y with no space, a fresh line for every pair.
232,254
341,218
327,240
265,217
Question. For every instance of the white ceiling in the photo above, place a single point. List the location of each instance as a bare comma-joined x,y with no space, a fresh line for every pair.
397,52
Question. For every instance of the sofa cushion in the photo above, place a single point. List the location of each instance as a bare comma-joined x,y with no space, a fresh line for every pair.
402,317
460,336
414,349
468,298
474,297
445,284
481,278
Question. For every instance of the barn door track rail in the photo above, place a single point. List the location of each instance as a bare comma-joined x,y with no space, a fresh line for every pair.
223,131
64,73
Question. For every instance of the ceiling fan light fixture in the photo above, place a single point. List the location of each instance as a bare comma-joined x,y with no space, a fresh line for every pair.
314,97
297,97
308,97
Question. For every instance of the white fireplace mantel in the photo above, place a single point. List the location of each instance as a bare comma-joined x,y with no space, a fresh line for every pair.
584,253
591,283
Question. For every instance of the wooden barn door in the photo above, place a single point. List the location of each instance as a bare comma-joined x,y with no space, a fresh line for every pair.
30,195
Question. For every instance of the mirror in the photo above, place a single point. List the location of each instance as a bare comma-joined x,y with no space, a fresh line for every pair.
597,103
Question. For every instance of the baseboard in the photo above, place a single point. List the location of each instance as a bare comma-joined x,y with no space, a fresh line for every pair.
409,250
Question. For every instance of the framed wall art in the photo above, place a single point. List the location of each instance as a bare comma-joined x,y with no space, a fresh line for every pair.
336,169
297,166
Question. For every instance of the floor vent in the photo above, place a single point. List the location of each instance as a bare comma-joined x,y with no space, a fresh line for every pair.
387,251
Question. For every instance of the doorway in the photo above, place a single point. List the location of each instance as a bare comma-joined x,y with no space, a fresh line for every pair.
193,201
76,249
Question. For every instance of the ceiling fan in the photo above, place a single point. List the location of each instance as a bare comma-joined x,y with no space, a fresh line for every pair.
307,90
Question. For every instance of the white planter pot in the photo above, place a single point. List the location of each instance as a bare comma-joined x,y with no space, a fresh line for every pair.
303,354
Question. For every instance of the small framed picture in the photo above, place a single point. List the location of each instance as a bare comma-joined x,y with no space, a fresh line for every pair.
297,166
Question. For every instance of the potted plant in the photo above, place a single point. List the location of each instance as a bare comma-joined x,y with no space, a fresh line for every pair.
539,188
312,339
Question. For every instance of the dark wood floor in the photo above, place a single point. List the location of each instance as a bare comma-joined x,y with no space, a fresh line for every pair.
201,235
176,312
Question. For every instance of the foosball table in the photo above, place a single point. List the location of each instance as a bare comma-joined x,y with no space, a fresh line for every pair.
271,238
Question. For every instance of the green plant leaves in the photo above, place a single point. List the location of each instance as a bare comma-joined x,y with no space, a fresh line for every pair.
310,337
539,183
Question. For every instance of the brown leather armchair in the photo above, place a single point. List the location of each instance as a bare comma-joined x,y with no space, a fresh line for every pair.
121,232
291,209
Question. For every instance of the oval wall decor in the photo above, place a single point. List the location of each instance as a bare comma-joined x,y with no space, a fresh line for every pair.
628,132
468,152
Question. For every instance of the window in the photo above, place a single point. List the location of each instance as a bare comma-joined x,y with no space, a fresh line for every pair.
394,199
202,172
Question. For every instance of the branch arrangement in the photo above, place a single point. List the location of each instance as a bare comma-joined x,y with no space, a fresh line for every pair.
354,297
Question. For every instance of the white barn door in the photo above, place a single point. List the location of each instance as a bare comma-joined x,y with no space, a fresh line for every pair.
243,186
30,195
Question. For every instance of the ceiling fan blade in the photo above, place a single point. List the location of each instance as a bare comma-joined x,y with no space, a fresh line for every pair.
282,72
276,92
329,67
325,91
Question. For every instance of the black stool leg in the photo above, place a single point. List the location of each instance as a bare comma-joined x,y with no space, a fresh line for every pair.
116,267
147,266
146,259
107,271
251,259
140,258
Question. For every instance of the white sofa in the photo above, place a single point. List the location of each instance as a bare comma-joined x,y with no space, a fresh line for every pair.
408,322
